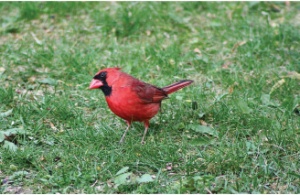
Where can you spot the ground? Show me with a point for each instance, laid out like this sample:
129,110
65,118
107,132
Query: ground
235,130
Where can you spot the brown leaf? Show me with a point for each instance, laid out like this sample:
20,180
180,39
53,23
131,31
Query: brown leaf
226,65
110,183
229,14
36,39
52,126
17,190
196,50
2,70
275,8
277,85
169,166
42,158
293,75
202,122
231,89
238,44
31,79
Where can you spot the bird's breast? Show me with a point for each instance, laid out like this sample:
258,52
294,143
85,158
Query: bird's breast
126,104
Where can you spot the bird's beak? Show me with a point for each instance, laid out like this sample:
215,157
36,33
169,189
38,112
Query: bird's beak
95,84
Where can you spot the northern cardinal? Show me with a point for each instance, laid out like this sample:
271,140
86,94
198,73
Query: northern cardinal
130,98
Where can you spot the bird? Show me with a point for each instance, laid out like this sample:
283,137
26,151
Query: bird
132,99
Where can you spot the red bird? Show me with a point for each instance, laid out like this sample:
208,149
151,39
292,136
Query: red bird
130,98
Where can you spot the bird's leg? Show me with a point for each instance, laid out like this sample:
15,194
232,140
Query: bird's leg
128,125
146,124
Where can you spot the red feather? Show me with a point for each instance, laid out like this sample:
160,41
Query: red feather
130,98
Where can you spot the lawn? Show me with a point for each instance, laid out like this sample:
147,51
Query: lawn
236,129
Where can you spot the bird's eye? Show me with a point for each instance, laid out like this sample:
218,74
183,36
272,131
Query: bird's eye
102,74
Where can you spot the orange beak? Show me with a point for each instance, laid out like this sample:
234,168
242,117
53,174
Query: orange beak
95,84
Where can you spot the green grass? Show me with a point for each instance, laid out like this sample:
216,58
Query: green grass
235,130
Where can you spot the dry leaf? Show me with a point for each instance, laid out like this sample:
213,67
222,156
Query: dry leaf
17,190
231,89
293,75
172,61
42,158
52,126
31,79
2,70
229,14
238,44
202,122
169,166
35,38
100,188
6,114
277,85
196,50
226,65
275,8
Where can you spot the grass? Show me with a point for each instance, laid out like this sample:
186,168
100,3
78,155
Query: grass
235,130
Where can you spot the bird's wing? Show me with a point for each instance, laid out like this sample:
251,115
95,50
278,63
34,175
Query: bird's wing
149,93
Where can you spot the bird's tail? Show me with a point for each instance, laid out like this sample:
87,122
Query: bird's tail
176,86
